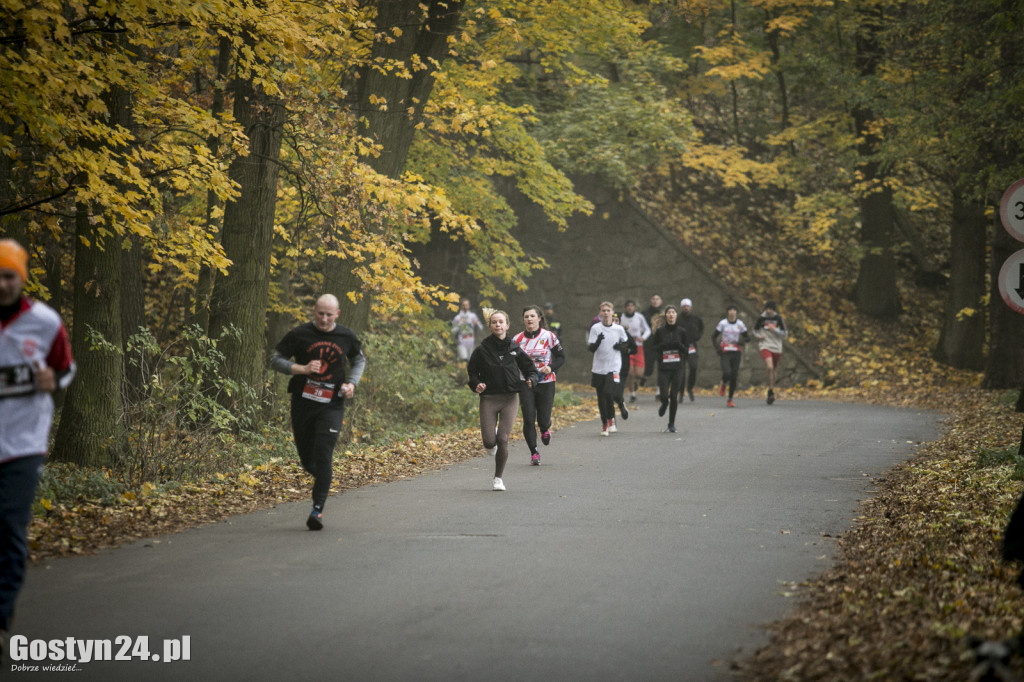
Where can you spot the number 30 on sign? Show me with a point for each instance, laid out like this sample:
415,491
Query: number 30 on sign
1011,210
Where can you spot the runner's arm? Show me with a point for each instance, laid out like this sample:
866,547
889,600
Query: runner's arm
557,357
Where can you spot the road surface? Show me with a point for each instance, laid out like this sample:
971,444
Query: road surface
641,556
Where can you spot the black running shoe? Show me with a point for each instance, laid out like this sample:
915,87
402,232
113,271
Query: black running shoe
623,411
671,428
315,520
771,396
663,408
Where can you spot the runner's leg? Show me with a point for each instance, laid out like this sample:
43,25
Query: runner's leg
507,406
528,405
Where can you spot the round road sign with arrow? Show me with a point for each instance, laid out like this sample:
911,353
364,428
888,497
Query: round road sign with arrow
1011,281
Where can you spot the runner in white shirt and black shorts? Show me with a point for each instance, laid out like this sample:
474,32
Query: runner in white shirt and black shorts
605,341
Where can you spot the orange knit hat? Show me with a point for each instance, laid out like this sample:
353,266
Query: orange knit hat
14,257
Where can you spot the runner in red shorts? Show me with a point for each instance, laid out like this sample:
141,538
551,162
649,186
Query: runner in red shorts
770,330
639,330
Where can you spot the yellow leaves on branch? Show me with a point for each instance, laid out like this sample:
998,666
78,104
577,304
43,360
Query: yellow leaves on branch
730,165
732,60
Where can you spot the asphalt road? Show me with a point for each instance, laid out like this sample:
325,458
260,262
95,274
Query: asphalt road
642,556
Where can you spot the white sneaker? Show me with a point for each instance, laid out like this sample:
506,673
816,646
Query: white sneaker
611,427
492,451
498,485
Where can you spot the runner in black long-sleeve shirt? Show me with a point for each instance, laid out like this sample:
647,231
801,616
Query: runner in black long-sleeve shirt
319,387
669,347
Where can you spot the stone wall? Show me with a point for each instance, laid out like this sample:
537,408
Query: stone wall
615,254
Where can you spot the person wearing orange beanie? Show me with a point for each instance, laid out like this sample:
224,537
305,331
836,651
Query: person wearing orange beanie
35,361
13,261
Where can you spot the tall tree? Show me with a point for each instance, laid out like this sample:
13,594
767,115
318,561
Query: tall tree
875,291
962,340
410,41
200,307
239,300
89,429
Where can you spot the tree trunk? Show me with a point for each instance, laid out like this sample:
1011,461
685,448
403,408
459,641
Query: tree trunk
91,424
962,341
133,307
425,28
89,431
200,309
1005,365
240,299
875,292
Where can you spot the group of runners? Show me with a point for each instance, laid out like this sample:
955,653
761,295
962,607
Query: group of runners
325,363
517,371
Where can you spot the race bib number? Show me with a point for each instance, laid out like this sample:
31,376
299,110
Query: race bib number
17,380
730,347
669,356
318,391
615,377
693,349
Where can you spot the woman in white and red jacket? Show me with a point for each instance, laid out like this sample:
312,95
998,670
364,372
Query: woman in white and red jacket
536,402
498,369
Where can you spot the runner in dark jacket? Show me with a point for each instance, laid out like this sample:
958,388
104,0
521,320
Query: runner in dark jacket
694,327
669,345
498,369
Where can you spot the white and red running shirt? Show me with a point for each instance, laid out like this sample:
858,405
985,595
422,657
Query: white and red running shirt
731,333
34,336
539,348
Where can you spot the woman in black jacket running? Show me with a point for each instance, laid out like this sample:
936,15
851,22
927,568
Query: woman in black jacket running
669,346
498,369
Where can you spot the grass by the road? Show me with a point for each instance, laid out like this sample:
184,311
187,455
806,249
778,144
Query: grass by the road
919,571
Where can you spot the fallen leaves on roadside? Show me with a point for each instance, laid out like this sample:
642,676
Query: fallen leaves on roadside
919,571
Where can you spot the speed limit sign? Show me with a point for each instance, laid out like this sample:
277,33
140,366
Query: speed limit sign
1011,210
1011,281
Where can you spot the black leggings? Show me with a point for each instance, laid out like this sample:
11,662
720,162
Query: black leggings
670,383
536,404
316,427
606,388
691,376
731,369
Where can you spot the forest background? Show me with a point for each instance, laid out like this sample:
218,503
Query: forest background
189,175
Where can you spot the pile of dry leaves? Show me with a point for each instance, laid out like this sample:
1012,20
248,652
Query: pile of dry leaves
921,569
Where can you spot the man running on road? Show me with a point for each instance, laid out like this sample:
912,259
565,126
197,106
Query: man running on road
319,388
